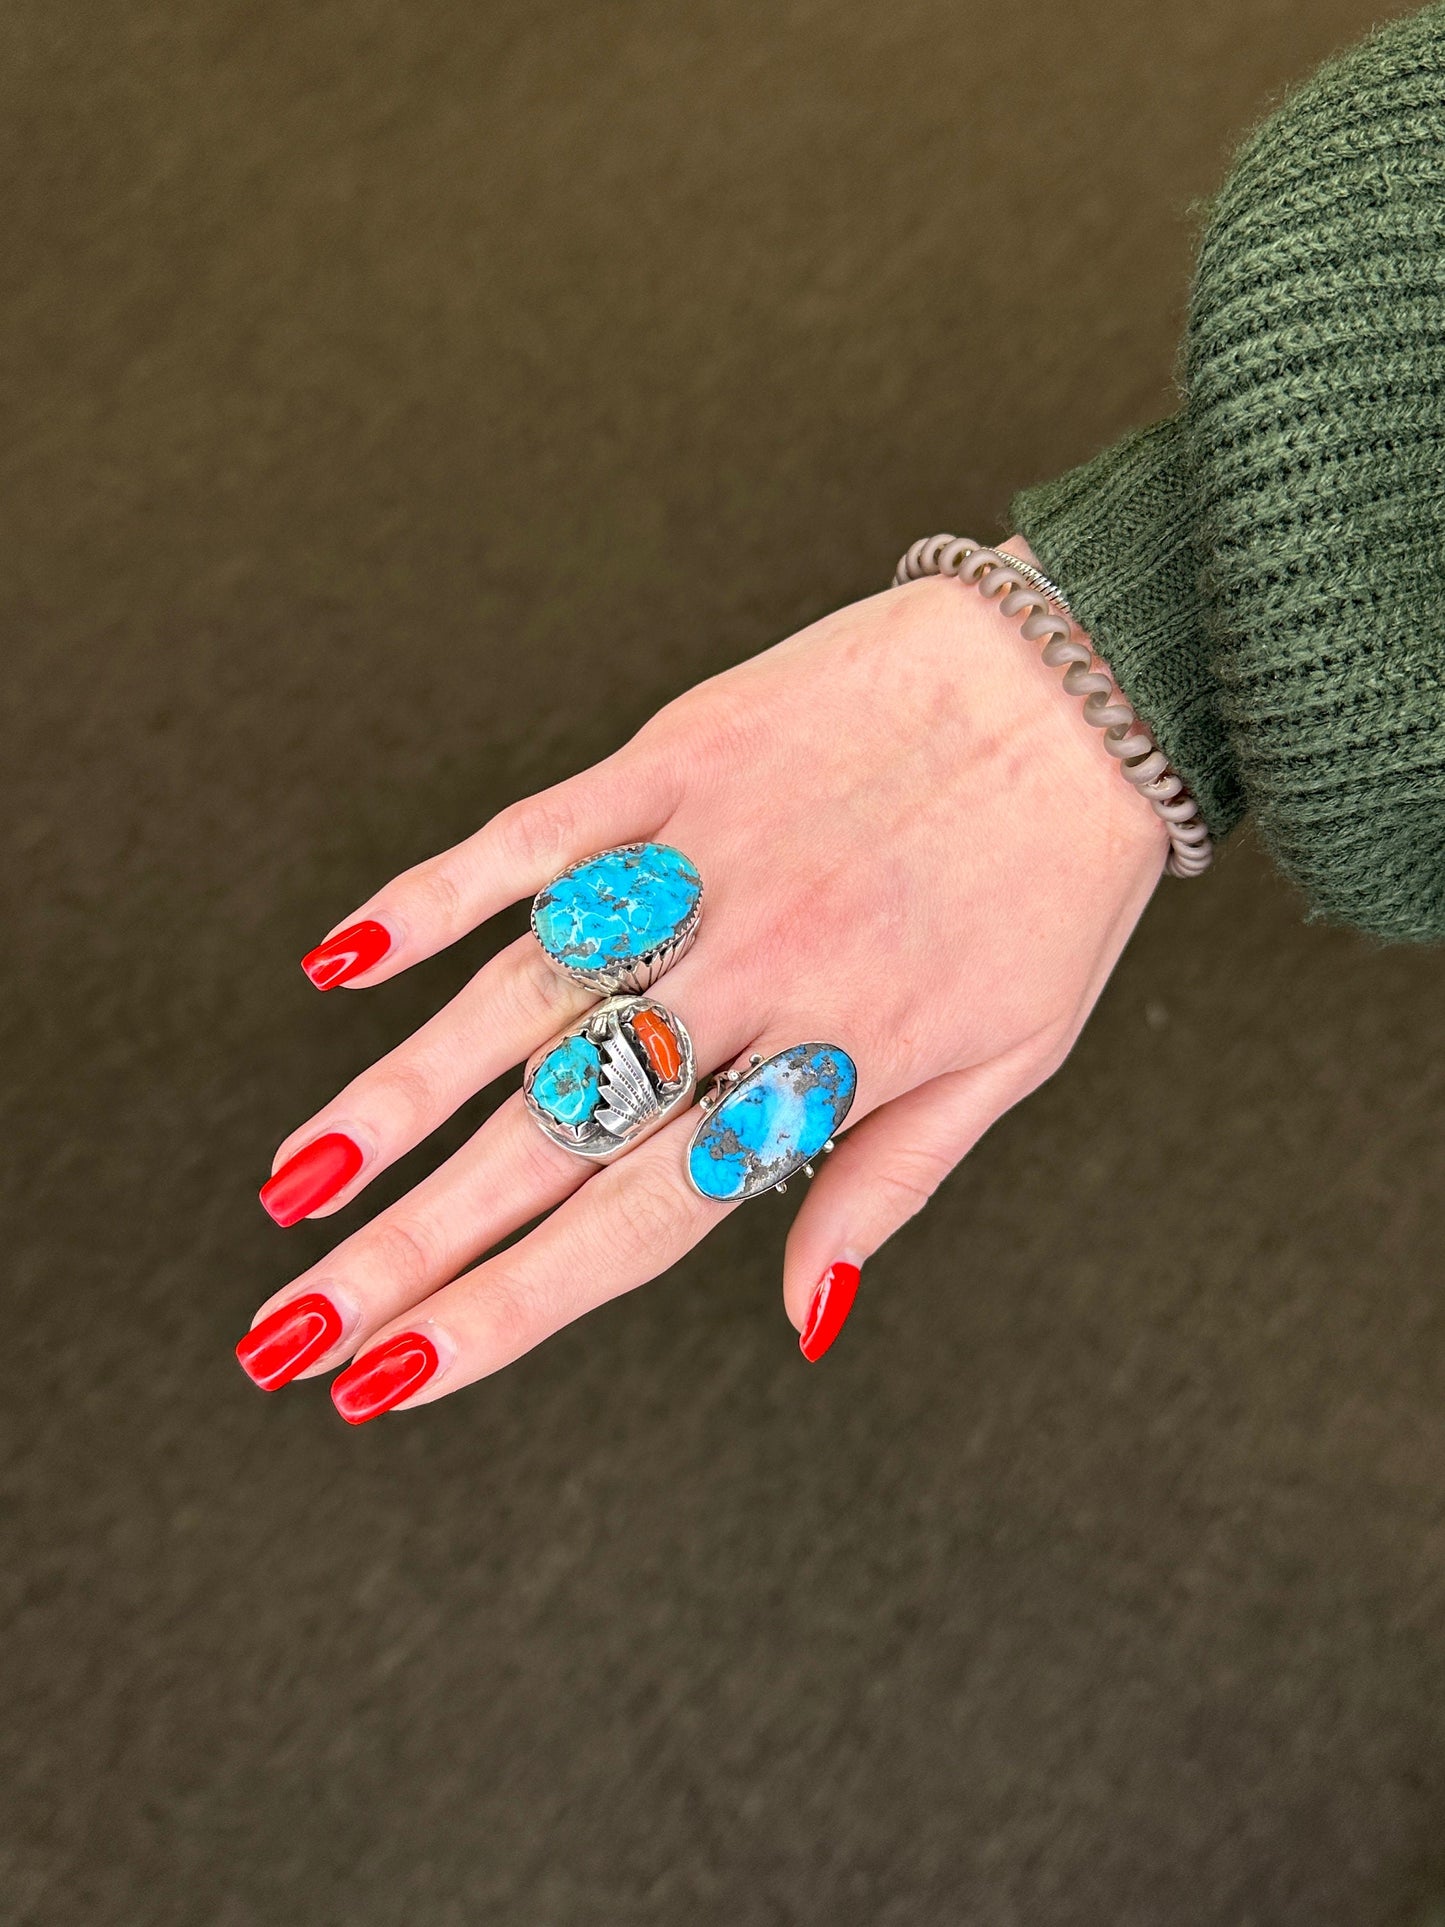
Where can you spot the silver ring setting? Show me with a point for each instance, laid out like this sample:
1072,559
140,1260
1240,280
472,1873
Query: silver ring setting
612,1079
762,1125
617,920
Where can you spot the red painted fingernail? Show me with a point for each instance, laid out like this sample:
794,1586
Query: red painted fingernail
316,1173
829,1306
383,1378
347,954
291,1338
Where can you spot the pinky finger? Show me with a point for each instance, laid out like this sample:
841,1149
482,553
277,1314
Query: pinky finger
883,1172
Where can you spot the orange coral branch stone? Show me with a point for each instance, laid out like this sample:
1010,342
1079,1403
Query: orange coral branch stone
657,1039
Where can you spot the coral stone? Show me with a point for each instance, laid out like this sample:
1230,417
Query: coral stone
659,1042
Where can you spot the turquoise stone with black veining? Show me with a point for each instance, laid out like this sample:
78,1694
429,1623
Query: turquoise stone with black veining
616,907
565,1083
773,1121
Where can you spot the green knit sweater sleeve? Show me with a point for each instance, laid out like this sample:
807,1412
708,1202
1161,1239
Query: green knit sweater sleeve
1264,571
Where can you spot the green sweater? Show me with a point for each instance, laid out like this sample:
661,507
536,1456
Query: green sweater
1264,571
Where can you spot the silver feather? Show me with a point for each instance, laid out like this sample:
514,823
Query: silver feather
627,1096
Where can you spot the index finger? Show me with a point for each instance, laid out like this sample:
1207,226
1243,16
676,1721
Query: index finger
623,799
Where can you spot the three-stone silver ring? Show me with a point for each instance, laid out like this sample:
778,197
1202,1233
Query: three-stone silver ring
608,1082
614,923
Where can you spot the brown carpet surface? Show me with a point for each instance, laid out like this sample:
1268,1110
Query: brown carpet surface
400,403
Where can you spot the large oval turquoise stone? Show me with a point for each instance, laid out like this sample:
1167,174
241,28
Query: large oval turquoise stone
617,907
565,1083
773,1121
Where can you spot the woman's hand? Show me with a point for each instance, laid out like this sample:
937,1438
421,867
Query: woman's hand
913,846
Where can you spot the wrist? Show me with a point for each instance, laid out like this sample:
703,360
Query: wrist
1026,595
1133,831
1118,534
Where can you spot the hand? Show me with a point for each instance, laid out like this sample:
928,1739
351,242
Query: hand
913,846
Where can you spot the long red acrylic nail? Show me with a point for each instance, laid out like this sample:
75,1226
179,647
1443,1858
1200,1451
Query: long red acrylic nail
316,1173
383,1378
829,1306
347,954
294,1336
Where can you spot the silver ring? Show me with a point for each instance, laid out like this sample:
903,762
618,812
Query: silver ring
617,920
610,1080
762,1125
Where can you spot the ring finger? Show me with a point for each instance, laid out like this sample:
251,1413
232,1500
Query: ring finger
507,1174
631,1222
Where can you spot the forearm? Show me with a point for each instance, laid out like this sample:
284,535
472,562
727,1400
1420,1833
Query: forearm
1264,572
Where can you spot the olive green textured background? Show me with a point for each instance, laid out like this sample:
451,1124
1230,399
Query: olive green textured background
399,404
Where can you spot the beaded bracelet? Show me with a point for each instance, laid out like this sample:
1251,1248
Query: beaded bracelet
1029,593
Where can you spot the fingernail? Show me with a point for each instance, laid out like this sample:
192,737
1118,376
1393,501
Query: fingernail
294,1336
383,1378
347,954
828,1308
316,1173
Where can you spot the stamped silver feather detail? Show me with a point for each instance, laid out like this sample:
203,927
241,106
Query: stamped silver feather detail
618,1073
627,1096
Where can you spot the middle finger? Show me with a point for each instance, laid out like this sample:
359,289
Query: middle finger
512,1004
507,1174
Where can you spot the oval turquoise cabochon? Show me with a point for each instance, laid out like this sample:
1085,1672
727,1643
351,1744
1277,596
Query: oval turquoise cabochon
773,1121
616,907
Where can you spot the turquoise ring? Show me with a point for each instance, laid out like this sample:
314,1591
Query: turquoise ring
609,1081
762,1125
617,920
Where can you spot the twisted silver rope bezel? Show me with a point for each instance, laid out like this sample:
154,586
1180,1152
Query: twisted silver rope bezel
1028,592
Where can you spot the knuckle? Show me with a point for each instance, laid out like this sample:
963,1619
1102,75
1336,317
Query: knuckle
536,994
537,1167
504,1307
650,1216
436,894
910,1180
544,1168
413,1094
705,730
724,732
537,835
403,1251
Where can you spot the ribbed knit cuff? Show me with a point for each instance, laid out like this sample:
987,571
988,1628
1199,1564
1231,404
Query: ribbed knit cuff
1117,536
